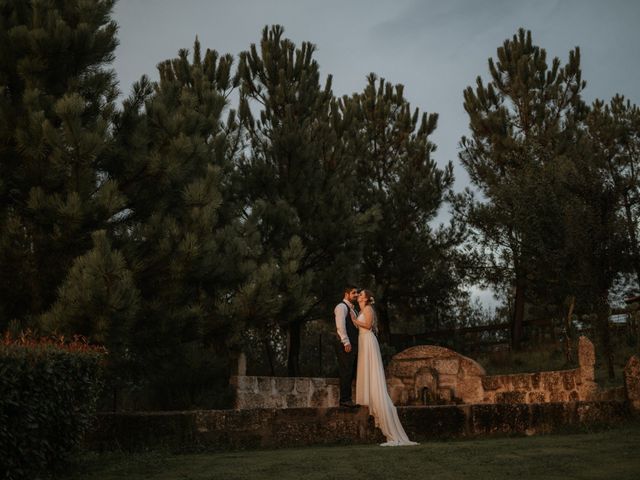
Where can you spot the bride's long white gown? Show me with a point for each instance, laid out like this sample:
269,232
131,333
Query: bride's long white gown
371,389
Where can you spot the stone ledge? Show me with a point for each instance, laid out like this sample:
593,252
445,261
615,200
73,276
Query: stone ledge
430,375
213,430
285,392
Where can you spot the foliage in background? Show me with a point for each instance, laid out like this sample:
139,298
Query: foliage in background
615,130
523,124
177,230
56,108
597,247
412,267
181,235
121,223
298,186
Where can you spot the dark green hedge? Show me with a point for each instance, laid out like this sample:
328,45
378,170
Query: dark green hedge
48,393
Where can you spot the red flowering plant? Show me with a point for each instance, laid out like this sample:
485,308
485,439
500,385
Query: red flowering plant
77,343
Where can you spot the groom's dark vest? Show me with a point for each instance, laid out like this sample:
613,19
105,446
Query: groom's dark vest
352,330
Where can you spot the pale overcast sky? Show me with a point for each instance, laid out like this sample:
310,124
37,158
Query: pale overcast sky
435,48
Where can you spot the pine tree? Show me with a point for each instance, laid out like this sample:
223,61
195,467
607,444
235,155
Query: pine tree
181,232
56,102
298,187
615,129
598,188
98,298
522,122
410,266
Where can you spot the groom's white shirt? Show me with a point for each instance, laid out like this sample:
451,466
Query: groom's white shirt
342,313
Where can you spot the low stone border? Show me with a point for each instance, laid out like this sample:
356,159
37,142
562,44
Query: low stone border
293,427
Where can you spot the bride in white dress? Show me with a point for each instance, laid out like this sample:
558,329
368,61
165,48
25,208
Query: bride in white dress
371,385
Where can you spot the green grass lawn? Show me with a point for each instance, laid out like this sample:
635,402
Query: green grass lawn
611,454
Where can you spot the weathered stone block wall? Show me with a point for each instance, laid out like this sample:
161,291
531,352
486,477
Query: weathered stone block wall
541,387
632,382
427,374
431,375
294,427
285,392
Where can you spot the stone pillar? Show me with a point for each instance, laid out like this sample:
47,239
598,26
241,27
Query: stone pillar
587,360
632,382
239,364
242,365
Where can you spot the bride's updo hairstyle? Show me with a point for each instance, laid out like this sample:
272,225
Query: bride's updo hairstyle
369,296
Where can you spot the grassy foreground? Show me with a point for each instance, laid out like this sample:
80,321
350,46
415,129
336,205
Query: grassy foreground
610,454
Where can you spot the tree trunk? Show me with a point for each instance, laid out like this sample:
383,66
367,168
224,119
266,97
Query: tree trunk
568,347
267,348
384,328
294,332
633,239
320,355
604,334
517,318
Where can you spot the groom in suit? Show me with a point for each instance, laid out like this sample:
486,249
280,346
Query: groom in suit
347,344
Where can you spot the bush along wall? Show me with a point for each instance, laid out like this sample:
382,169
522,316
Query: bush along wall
48,394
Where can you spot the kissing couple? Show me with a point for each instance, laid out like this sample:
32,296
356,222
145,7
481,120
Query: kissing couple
359,355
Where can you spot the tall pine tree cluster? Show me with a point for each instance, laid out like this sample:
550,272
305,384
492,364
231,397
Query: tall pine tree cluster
177,228
299,183
413,269
523,125
166,227
557,217
57,104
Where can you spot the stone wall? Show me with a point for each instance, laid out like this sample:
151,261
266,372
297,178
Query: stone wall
427,374
632,382
293,427
544,387
285,392
431,375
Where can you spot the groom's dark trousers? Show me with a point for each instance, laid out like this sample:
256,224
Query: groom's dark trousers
347,365
347,362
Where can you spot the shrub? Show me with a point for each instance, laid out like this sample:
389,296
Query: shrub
48,393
